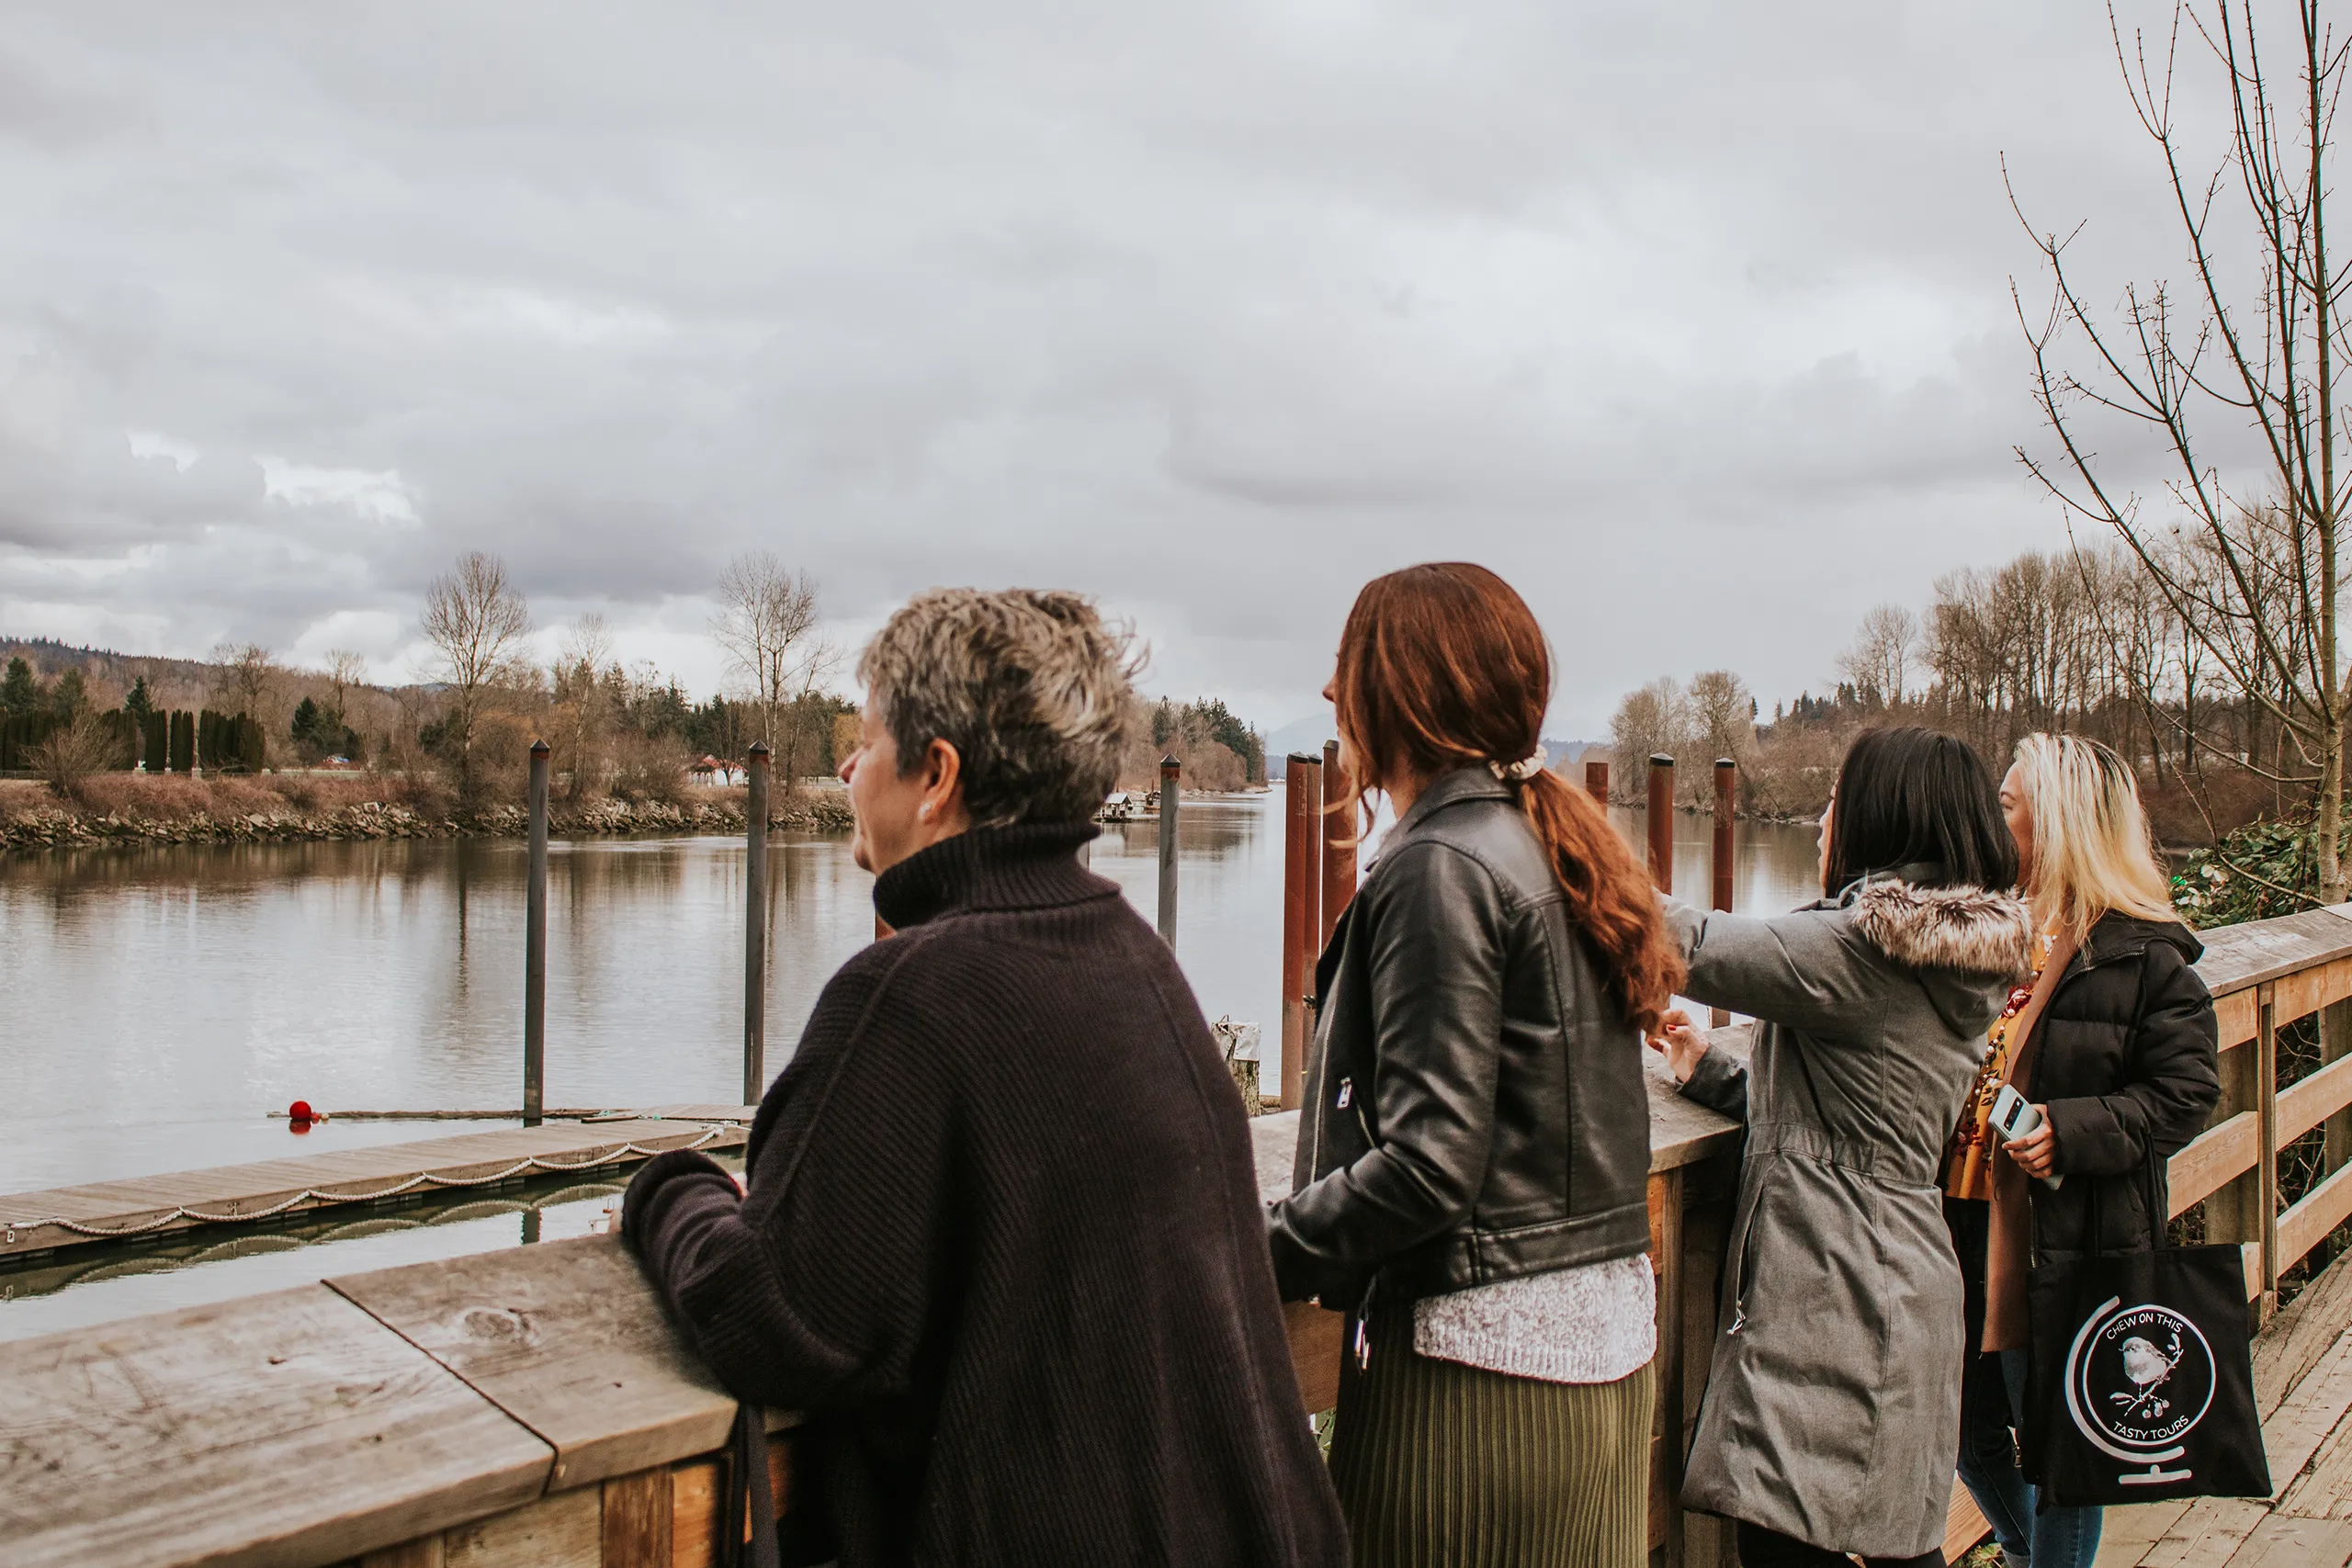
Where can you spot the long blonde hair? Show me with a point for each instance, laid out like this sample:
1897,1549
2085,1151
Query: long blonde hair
2091,852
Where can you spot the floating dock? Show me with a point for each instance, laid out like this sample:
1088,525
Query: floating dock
33,1222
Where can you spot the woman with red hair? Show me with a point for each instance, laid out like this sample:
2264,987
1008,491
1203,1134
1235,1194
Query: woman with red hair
1475,1145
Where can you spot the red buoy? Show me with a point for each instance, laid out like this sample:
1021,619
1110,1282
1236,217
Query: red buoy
301,1111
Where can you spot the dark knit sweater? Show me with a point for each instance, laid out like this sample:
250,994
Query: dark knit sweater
1002,1243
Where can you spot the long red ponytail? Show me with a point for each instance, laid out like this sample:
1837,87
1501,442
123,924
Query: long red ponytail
1443,666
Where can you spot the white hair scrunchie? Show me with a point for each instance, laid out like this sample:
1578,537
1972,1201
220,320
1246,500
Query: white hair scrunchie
1524,769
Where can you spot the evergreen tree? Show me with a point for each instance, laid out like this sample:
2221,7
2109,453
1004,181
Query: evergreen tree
66,696
20,693
138,704
306,726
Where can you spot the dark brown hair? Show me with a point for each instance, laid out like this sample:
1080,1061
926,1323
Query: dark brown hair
1908,797
1443,667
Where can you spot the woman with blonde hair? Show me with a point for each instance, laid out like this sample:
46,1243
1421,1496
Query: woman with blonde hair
2113,1042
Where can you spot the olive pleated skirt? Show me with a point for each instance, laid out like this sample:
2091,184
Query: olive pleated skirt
1441,1465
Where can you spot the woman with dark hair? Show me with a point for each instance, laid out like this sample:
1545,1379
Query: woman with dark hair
1827,1425
1474,1156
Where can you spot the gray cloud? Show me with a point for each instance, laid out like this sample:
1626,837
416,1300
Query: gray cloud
1693,323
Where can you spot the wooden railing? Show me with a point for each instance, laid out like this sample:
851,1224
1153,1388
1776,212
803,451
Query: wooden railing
533,1406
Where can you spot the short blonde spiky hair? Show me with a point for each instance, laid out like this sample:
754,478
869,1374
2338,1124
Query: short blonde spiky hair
2091,851
1031,686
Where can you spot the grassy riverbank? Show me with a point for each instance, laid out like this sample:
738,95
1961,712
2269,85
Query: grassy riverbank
133,809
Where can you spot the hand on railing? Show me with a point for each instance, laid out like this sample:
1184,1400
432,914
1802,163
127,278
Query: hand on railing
1682,1041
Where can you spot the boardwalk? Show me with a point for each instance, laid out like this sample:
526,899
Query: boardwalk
34,1223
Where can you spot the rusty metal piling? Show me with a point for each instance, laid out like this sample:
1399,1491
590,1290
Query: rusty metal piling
1302,857
1339,846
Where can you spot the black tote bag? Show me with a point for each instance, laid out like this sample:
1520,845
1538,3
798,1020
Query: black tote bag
2141,1380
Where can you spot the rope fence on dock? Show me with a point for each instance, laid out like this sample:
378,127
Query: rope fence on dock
312,1194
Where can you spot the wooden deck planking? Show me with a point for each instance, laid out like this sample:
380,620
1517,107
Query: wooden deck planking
246,1188
558,1337
228,1432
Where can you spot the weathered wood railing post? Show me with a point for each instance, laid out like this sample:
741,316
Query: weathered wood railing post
2235,1212
1171,796
1302,858
1661,821
1727,782
755,925
1338,843
1596,780
2334,1044
534,946
2265,1070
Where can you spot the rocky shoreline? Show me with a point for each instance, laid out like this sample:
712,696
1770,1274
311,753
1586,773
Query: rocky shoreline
49,828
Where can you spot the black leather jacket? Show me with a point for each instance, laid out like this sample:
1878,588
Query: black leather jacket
1475,1104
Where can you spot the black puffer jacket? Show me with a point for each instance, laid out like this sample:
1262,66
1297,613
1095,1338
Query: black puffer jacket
2125,1060
1475,1103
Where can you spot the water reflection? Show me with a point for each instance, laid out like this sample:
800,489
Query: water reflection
155,1004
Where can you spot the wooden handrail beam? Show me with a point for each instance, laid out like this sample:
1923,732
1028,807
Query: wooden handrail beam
2221,1152
2308,1102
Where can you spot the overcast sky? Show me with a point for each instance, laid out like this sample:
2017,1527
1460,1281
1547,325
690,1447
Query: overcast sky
1693,322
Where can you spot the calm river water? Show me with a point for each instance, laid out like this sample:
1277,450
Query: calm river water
155,1005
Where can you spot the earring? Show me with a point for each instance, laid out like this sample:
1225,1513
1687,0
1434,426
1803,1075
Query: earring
923,811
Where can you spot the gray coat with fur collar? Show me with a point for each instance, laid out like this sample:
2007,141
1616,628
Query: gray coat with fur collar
1832,1411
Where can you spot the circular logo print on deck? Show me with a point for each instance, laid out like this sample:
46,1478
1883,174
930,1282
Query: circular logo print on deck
2140,1376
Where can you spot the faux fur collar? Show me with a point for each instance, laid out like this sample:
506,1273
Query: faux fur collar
1966,929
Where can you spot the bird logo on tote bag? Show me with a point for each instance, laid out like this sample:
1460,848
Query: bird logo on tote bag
2138,1379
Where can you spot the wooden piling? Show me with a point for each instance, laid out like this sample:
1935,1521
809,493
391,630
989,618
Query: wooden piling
1661,824
534,947
755,925
1596,780
1302,857
1172,796
1727,782
1338,843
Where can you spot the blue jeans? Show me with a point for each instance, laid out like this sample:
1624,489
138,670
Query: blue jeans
1992,1385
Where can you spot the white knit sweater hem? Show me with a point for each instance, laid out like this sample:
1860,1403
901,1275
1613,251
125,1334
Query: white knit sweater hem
1593,1324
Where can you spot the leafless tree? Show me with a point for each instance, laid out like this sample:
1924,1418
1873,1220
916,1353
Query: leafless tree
582,688
1879,661
345,670
1654,720
83,745
2257,581
1720,711
767,622
475,621
244,680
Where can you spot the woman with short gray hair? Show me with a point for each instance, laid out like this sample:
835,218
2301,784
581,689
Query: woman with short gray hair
1000,1241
